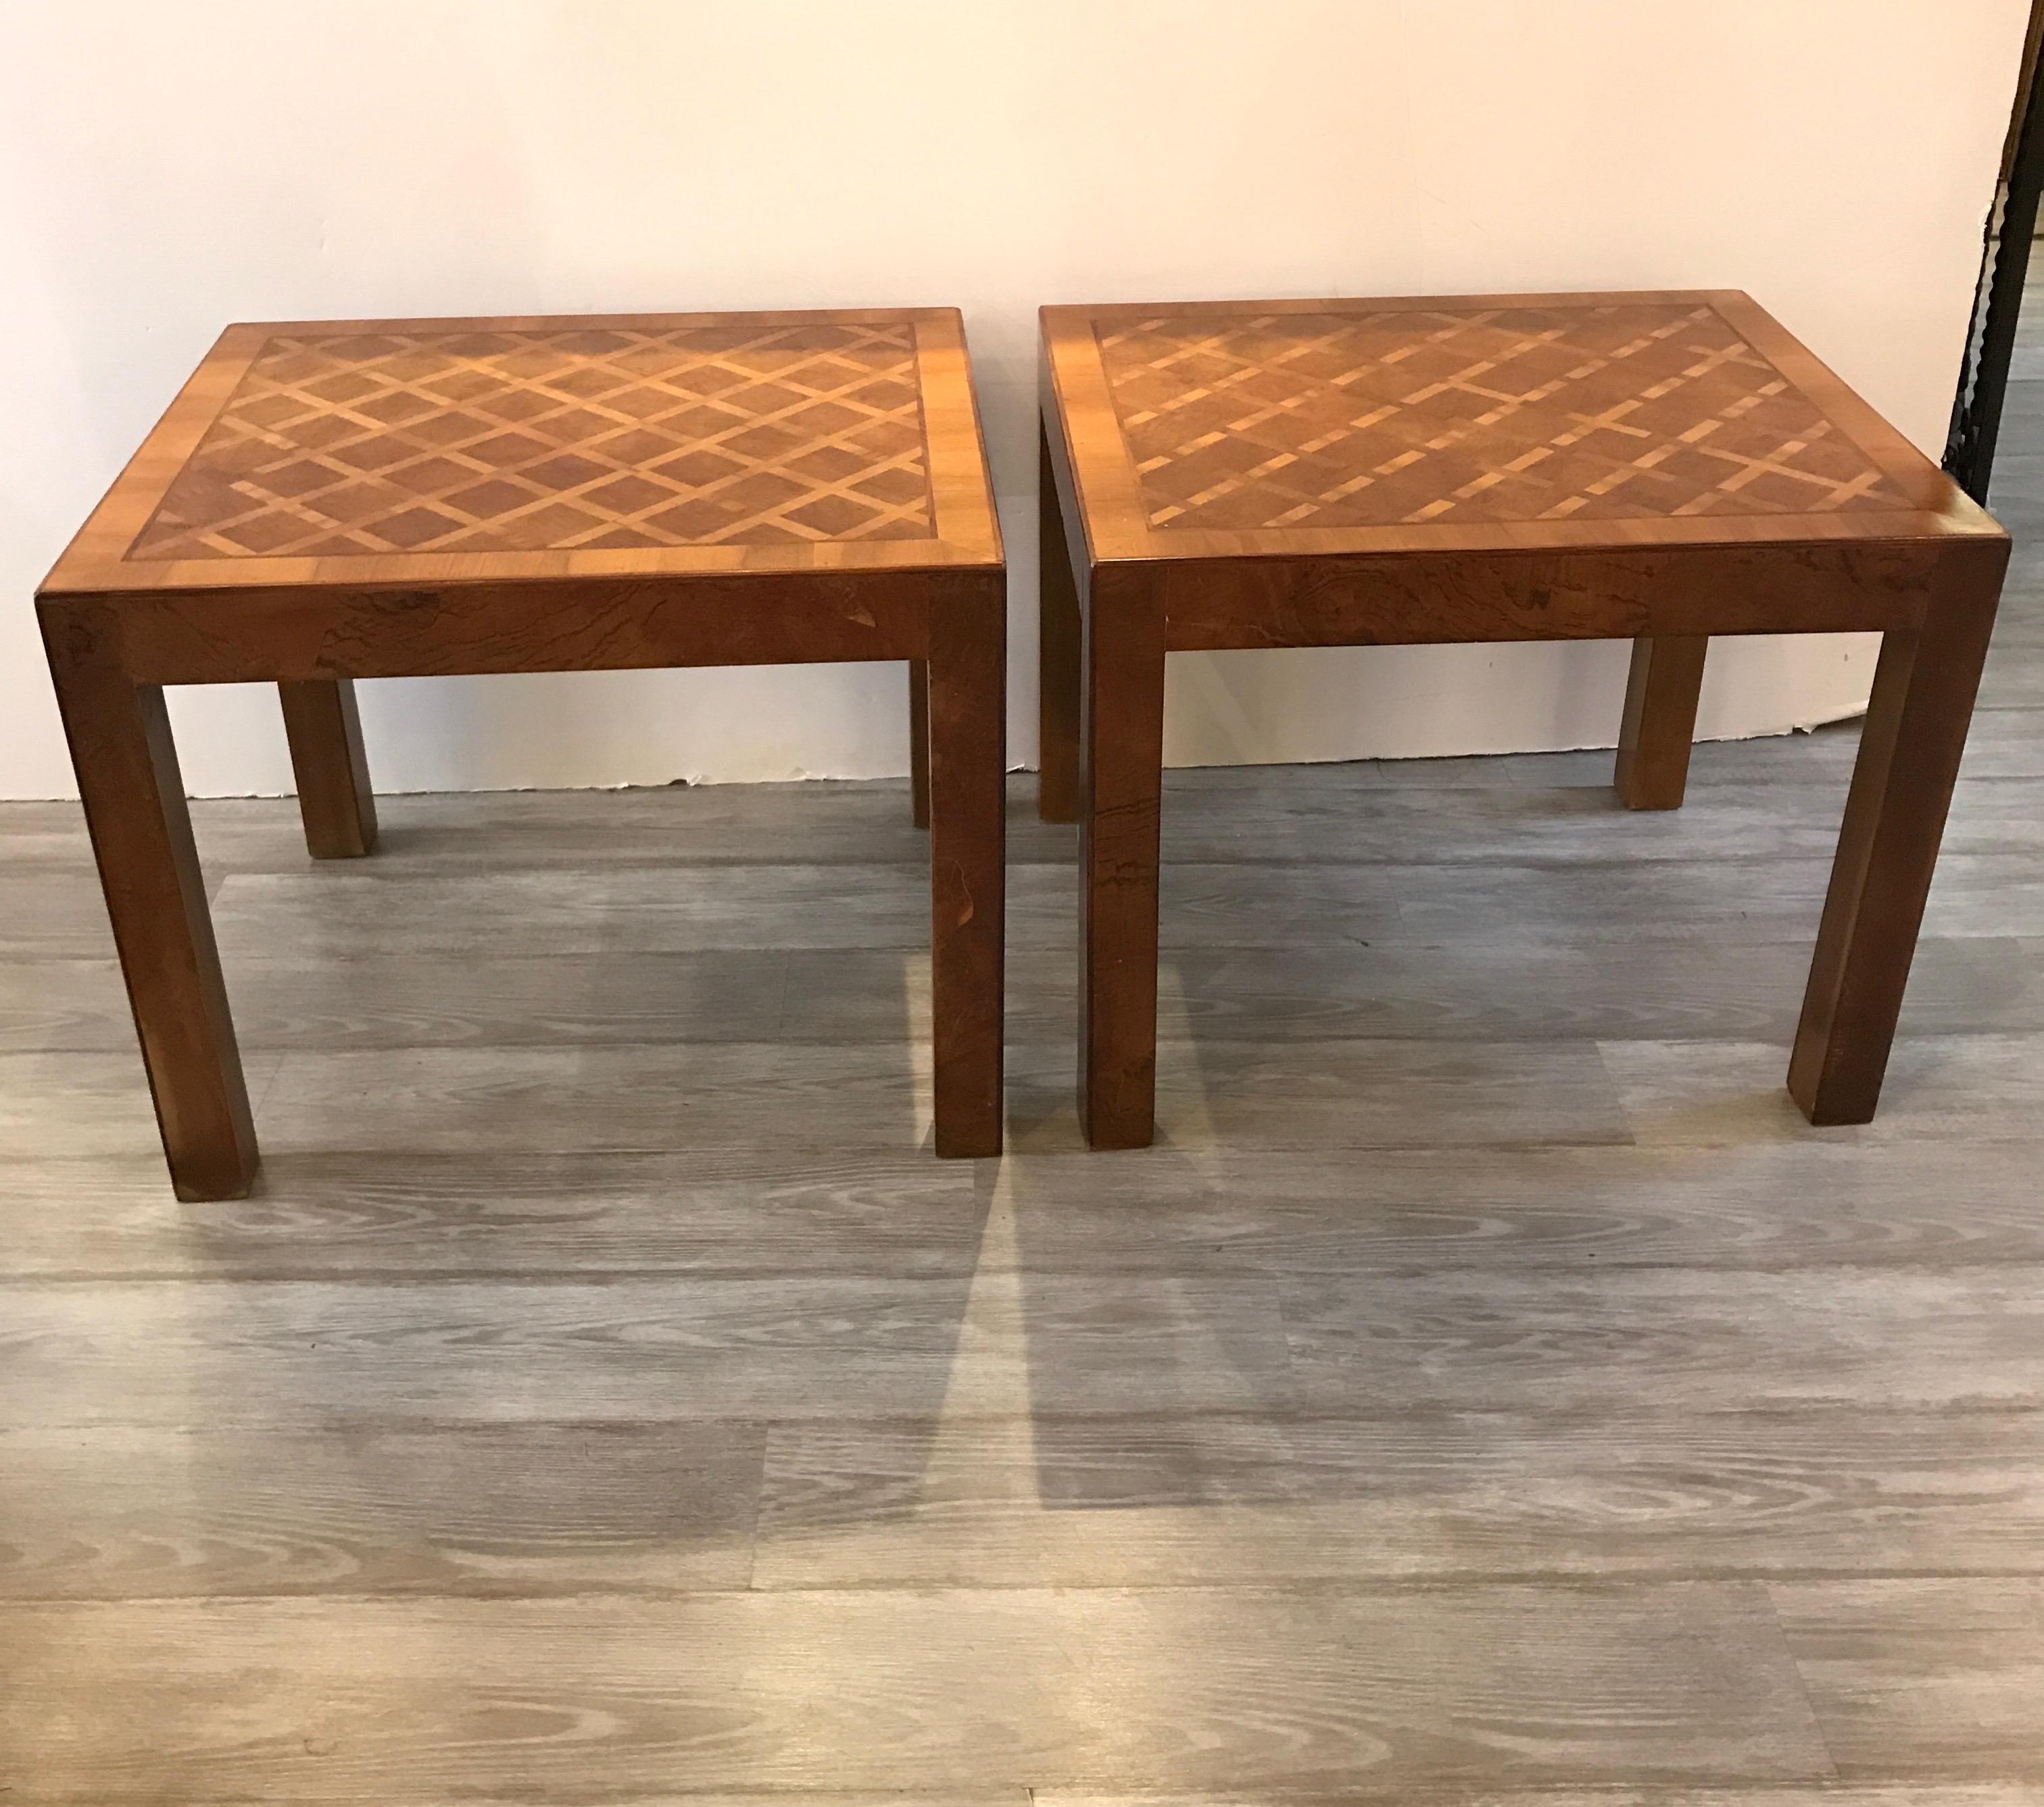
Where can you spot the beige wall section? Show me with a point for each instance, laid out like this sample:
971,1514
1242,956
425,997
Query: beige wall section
165,169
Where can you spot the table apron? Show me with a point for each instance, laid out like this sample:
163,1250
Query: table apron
1392,601
254,636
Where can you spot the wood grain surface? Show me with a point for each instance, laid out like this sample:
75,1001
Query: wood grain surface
1472,423
1476,410
413,437
329,501
1660,721
1661,468
1489,1393
1332,1688
423,452
324,729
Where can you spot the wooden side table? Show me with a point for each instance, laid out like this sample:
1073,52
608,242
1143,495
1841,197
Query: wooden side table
397,498
1656,466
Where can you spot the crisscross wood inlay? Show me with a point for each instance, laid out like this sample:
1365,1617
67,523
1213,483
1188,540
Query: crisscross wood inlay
515,440
1501,413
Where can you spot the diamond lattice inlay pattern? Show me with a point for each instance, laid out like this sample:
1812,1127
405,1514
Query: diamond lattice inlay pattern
517,440
1498,414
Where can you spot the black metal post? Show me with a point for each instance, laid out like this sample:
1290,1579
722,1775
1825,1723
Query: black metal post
2004,268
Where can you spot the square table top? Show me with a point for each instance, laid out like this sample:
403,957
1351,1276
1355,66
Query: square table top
1485,423
355,452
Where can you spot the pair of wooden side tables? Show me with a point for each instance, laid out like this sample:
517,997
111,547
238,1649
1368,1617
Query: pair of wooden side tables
376,499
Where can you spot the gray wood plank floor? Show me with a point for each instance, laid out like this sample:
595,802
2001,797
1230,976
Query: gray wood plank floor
1489,1391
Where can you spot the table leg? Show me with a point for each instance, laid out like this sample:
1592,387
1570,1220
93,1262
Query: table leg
919,740
1058,789
1909,753
1121,779
334,797
135,808
968,692
1660,720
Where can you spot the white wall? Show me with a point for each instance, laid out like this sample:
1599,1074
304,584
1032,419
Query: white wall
165,168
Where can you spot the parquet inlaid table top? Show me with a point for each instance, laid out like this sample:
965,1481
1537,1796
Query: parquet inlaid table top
440,440
1657,467
607,445
1379,419
335,500
1528,420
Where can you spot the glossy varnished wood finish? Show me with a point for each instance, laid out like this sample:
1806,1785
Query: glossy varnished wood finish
968,738
127,766
1910,749
1484,1392
353,499
1483,411
1386,1442
1061,639
1660,721
919,742
1121,773
324,729
404,437
1660,467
